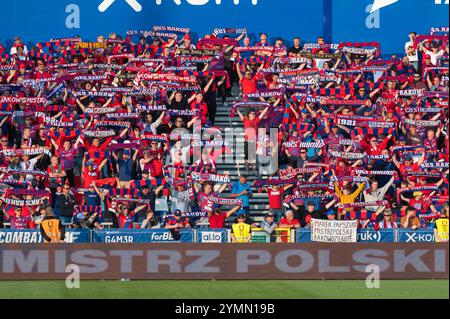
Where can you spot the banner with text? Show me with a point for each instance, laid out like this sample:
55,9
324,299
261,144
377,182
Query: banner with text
334,231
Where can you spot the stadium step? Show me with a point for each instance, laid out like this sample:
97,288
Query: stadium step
259,202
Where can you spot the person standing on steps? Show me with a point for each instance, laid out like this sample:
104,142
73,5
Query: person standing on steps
251,123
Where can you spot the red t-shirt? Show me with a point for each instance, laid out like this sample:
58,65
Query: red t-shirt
89,177
252,125
418,204
275,198
156,167
249,86
123,220
217,221
284,221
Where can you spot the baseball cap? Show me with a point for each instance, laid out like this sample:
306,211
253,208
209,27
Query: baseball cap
330,212
126,152
90,163
177,212
269,214
427,56
187,37
80,216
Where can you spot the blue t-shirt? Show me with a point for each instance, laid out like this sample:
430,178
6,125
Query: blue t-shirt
125,169
237,188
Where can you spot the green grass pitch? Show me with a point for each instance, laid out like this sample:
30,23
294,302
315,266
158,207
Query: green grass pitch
230,289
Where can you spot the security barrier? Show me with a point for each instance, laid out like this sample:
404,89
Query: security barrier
260,236
32,236
283,235
280,235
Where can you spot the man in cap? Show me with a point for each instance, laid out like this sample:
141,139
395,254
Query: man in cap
269,225
52,229
18,221
91,172
431,57
180,196
241,232
331,215
18,43
408,166
175,223
217,218
419,202
125,166
316,213
187,43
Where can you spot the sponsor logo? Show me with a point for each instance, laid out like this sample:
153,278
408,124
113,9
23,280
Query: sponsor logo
166,236
378,4
118,239
418,237
20,237
107,3
369,236
211,237
33,237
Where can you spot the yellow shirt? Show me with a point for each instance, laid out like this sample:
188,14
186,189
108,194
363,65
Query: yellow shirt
241,232
442,228
347,199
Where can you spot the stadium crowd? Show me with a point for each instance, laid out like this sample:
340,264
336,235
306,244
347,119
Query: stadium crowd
90,131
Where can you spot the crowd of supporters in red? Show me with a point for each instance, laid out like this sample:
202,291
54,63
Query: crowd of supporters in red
90,130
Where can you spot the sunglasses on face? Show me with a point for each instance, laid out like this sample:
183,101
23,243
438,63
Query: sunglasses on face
66,188
4,141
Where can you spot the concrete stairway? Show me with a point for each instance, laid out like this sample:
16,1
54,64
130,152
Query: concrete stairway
259,201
